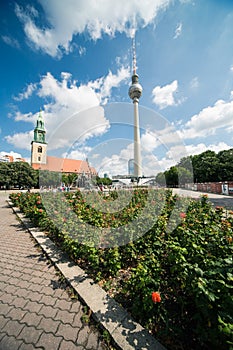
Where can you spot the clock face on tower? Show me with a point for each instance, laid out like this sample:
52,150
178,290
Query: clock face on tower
40,137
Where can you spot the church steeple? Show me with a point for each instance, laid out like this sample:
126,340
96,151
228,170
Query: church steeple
39,145
39,131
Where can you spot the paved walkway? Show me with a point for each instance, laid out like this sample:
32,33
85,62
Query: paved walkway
216,199
36,311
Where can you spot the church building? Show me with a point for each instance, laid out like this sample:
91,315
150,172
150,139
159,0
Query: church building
41,161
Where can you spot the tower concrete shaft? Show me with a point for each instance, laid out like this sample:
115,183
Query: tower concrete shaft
137,142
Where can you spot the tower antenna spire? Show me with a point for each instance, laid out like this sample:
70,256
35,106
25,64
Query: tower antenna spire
134,55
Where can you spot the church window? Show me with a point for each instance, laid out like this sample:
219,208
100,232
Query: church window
39,159
39,150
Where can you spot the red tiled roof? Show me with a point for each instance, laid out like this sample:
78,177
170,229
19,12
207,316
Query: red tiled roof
65,165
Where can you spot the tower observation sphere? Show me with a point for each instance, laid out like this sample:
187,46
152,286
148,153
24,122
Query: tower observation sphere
135,90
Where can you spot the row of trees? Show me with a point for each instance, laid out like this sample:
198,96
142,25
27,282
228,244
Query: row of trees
18,175
22,175
205,167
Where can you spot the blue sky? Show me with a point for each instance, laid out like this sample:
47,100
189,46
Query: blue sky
73,59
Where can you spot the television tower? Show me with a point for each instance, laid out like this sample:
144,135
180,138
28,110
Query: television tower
135,92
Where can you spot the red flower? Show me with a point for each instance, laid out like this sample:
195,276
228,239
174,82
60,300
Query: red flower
182,215
156,297
218,208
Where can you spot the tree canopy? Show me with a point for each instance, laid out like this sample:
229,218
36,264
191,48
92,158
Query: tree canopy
207,166
17,175
22,175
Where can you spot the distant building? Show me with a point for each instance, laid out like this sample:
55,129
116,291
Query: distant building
40,160
10,159
19,160
131,167
7,159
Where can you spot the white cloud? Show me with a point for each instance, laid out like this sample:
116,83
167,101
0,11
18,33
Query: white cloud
26,117
201,147
10,41
208,120
164,164
164,96
95,156
150,164
20,140
80,153
231,68
116,163
184,151
72,112
104,85
66,19
27,93
82,50
178,30
194,83
151,139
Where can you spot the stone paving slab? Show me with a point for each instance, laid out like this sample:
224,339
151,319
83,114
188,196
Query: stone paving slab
36,312
125,332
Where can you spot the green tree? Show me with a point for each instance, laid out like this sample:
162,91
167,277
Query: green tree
184,175
69,179
18,174
171,176
160,179
22,175
106,181
5,175
225,159
206,167
186,162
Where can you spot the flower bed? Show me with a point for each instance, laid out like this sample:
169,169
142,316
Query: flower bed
177,282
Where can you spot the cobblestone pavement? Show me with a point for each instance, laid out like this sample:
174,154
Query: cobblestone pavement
36,311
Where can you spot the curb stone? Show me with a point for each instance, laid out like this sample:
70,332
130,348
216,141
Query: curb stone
125,332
